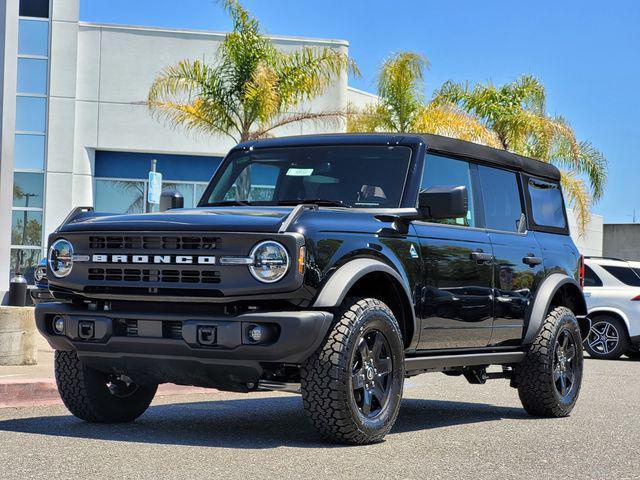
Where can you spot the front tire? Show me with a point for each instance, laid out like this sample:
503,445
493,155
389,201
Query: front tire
352,385
550,376
96,396
607,338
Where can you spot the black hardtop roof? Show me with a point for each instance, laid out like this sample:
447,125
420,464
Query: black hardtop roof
435,144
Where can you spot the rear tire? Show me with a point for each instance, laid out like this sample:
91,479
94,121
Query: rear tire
352,385
550,376
96,396
607,339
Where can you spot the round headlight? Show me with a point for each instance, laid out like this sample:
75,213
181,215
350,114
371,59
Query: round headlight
61,258
270,261
40,274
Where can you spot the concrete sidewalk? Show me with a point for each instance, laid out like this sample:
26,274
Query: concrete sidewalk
32,385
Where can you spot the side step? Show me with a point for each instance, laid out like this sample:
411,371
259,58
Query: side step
439,363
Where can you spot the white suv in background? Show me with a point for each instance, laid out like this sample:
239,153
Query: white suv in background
612,291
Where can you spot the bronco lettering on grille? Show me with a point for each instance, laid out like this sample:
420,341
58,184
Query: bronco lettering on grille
157,259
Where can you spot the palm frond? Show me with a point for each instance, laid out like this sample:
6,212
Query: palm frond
299,117
578,197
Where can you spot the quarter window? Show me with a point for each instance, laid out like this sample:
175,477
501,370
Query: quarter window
546,204
590,278
501,199
624,274
443,171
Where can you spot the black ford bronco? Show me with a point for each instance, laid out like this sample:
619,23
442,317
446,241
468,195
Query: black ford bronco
334,266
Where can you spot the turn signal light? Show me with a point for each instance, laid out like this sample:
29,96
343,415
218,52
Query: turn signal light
581,271
302,252
636,298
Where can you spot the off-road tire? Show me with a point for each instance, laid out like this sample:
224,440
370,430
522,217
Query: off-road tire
535,375
86,395
326,377
621,347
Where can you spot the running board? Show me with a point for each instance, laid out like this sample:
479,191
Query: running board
444,362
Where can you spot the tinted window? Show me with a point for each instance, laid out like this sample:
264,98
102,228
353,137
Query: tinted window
34,8
625,274
501,198
443,171
28,189
33,38
32,76
31,114
546,204
29,152
590,278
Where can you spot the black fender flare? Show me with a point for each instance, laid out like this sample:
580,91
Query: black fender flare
542,302
335,289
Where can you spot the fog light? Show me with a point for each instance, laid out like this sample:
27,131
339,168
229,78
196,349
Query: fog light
256,333
58,325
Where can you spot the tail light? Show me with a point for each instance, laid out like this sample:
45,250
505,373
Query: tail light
636,298
581,271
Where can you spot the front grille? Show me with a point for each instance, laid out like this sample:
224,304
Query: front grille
154,242
154,275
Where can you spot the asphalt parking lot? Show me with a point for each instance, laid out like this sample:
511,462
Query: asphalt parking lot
446,429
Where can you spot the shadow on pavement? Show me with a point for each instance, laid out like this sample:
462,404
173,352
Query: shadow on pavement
251,423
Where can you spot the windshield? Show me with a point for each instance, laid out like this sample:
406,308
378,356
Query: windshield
348,176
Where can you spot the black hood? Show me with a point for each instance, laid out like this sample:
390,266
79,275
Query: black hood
230,219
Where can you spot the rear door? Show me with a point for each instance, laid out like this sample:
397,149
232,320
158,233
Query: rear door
518,268
456,297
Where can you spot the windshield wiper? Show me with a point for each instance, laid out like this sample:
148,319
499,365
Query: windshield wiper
316,201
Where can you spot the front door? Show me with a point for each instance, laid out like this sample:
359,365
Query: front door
456,292
518,268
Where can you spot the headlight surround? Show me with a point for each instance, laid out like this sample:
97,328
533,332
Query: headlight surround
61,258
270,261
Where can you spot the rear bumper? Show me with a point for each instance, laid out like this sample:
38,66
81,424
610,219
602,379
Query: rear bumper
155,353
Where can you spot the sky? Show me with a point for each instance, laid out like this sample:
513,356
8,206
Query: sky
586,53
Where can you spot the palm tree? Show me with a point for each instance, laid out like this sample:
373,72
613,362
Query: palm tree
402,107
251,88
516,112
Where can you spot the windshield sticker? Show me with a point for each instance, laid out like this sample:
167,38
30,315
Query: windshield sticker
299,172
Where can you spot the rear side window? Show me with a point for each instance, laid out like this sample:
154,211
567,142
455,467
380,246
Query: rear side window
441,171
590,278
547,206
501,199
625,274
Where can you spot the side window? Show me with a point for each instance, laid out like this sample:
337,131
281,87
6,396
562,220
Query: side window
501,199
546,204
624,274
439,171
590,278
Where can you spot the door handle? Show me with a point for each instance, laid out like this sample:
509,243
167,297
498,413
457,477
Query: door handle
531,260
480,257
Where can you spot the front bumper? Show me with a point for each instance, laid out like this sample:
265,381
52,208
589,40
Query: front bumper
168,347
39,295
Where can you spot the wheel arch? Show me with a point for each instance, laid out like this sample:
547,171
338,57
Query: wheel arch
557,290
367,277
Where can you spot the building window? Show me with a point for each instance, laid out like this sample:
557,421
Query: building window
31,113
24,260
120,196
28,190
34,8
33,38
29,152
32,76
26,228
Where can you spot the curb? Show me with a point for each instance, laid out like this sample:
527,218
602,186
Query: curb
43,391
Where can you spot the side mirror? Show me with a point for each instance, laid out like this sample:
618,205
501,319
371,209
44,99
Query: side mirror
170,199
444,201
